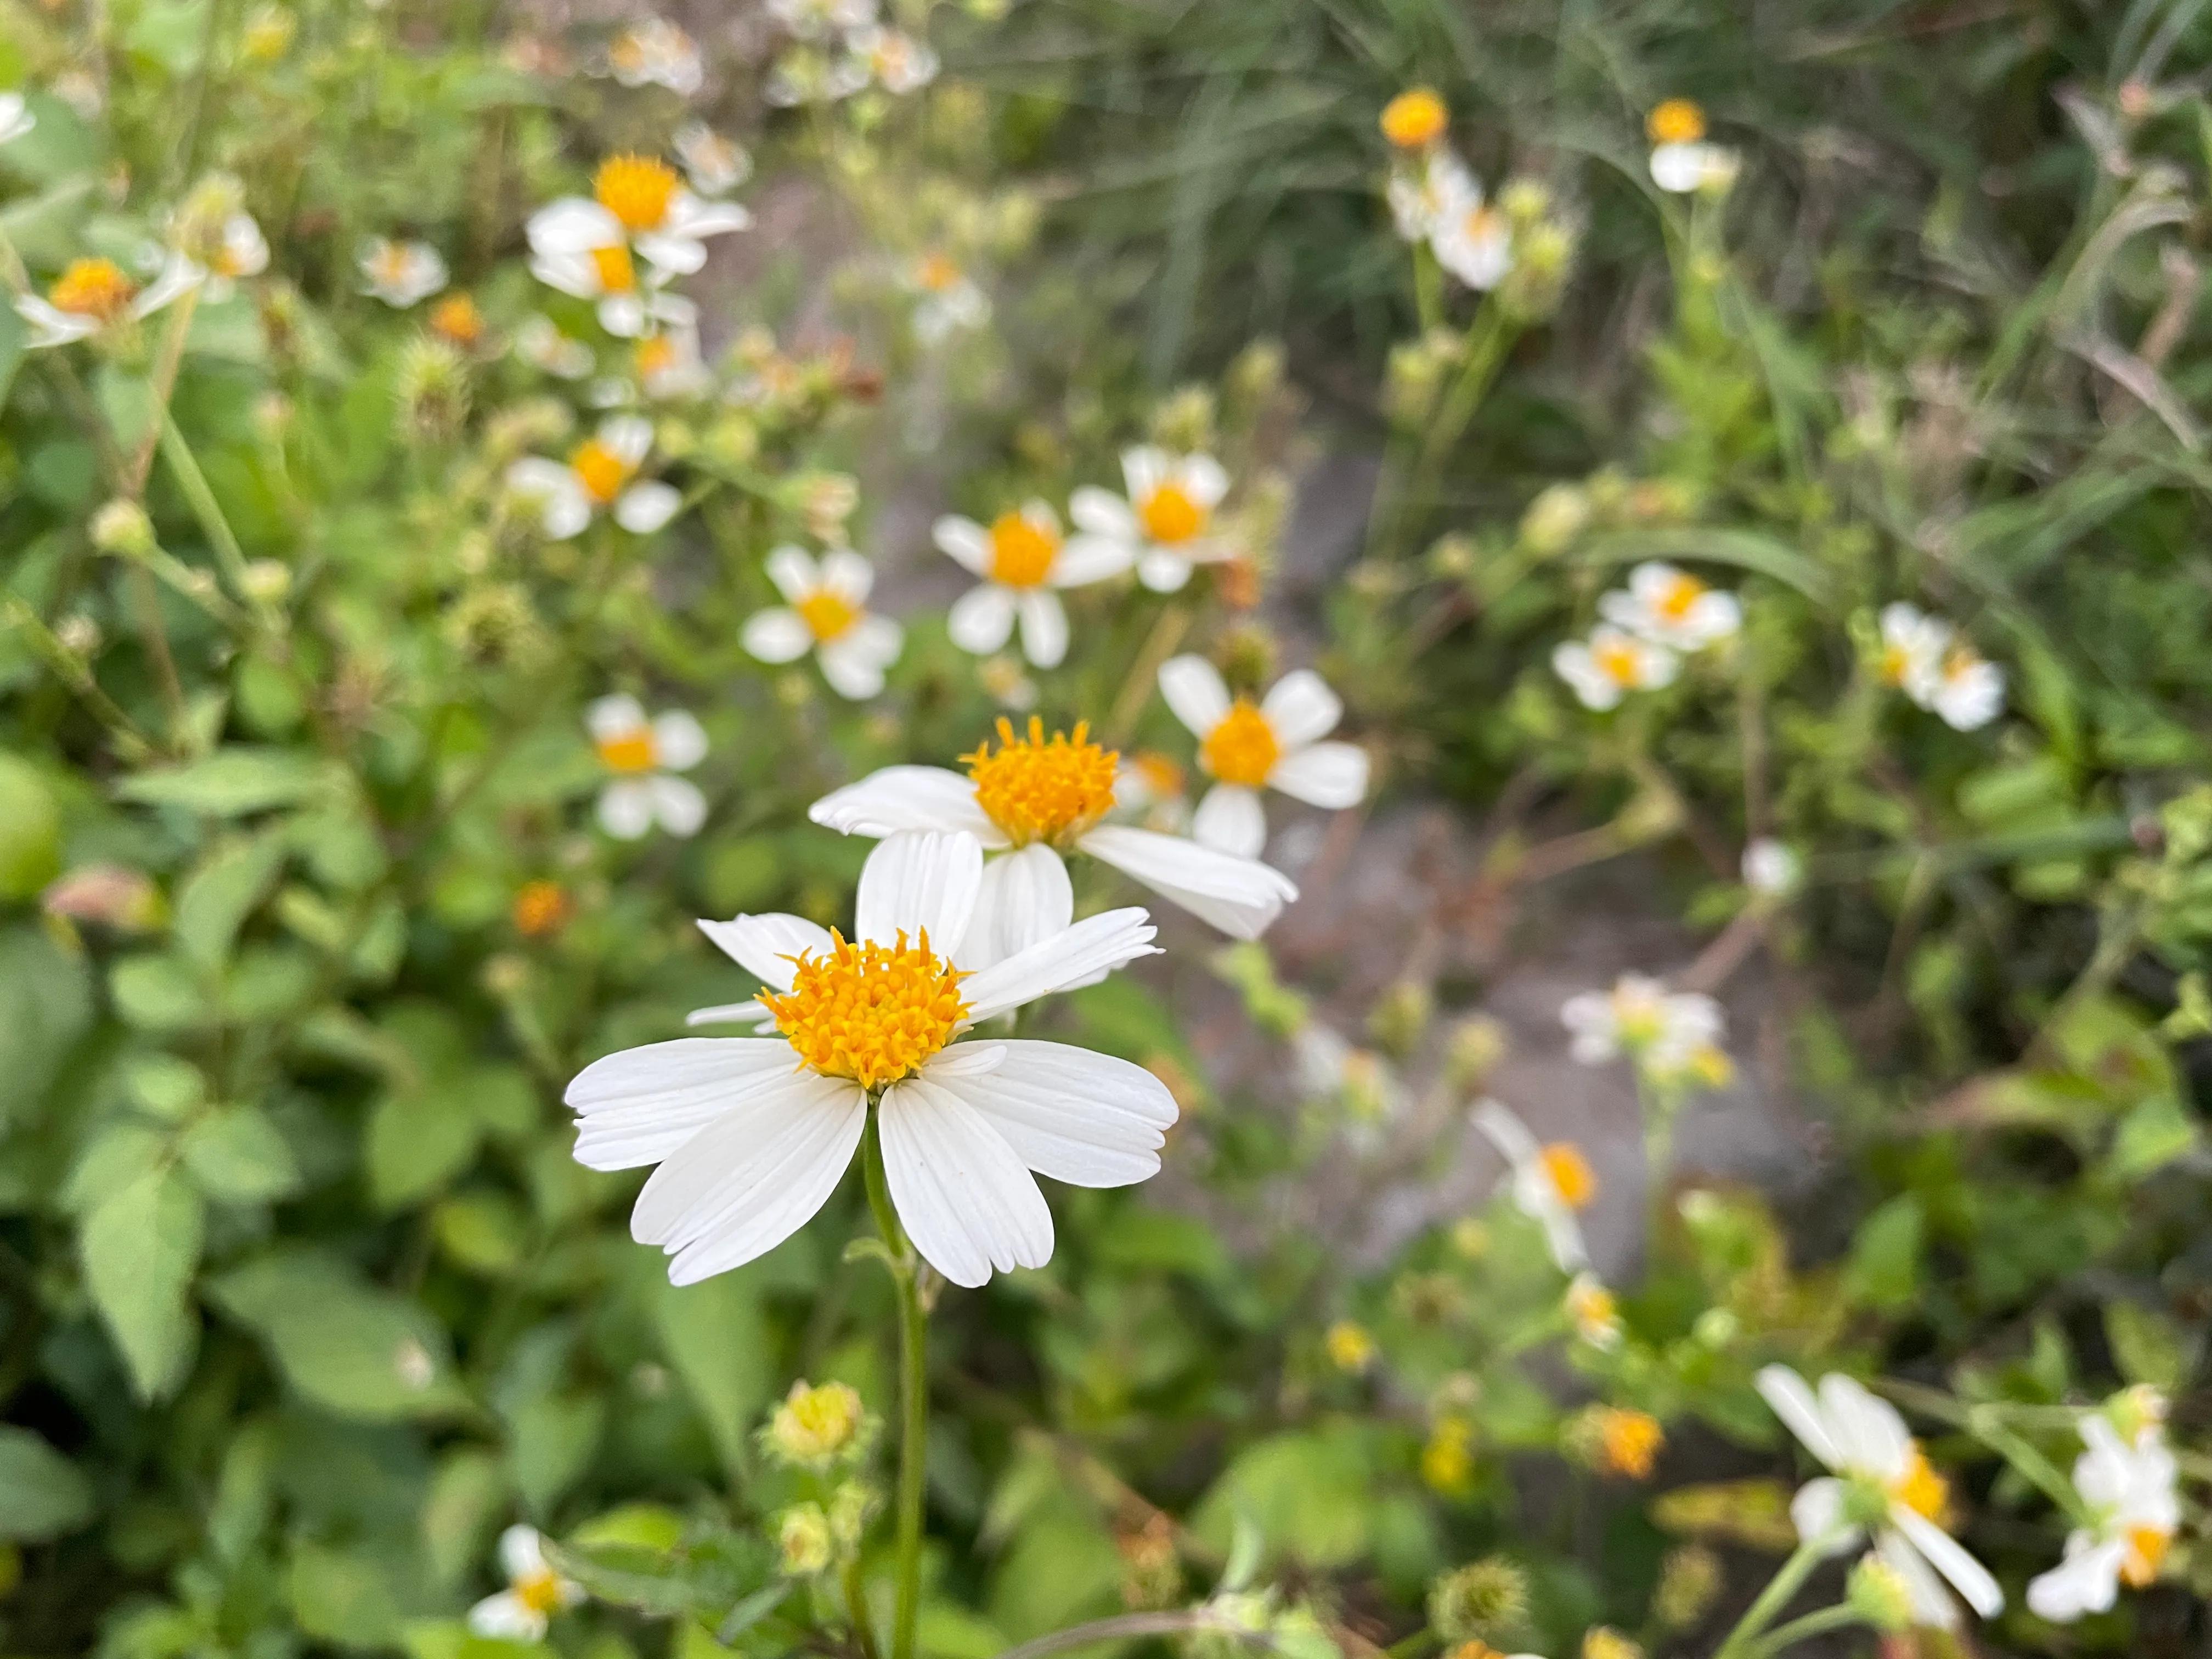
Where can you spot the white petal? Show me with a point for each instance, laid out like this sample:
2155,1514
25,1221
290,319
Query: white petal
626,437
1088,1119
1231,820
1241,897
1504,1130
969,1204
763,945
1194,690
792,573
906,798
1204,479
679,742
507,1616
674,255
1817,1511
616,716
1143,468
1950,1557
982,618
1301,708
573,224
1872,1435
778,635
1096,944
748,1012
678,803
848,575
920,881
1044,627
854,672
2086,1581
1164,572
521,1551
1790,1397
627,809
1933,1607
638,1106
1026,897
1086,559
1330,774
644,508
964,540
1103,515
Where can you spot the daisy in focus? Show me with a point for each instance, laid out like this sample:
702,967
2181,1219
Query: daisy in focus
2131,1490
1924,657
93,296
1166,521
946,299
601,474
524,1611
1881,1483
1022,558
752,1134
1660,1030
401,273
1672,608
642,757
826,611
1611,664
1682,160
1275,743
1551,1183
1031,803
654,53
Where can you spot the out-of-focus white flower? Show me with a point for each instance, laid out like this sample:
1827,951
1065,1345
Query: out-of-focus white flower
753,1134
1423,188
668,365
1007,683
1359,1080
1154,788
1658,1029
654,51
2131,1490
582,246
524,1611
1681,160
1673,608
1593,1310
1472,238
1166,522
81,90
1275,743
401,273
1879,1470
1611,663
93,294
714,165
643,757
540,343
241,250
825,611
894,60
600,473
1023,559
1924,656
1549,1183
946,299
1771,868
812,20
15,117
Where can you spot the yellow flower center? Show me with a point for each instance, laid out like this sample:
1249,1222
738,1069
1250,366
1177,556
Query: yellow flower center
1038,790
599,469
1959,664
1631,1441
1619,660
828,614
1570,1174
1169,515
1677,121
1592,1308
1448,1461
1350,1348
2147,1547
457,319
629,752
627,53
92,287
1920,1489
617,273
1896,664
869,1012
935,273
1414,118
1242,749
1682,594
540,907
655,356
635,189
1161,773
815,1423
539,1591
1480,222
1022,551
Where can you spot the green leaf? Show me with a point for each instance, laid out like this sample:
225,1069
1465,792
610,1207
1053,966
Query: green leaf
417,1140
467,1495
2149,1348
42,1494
231,782
342,1598
216,899
45,1009
2151,1136
550,1440
717,1342
1885,1261
350,1347
139,1247
160,991
237,1155
1309,1495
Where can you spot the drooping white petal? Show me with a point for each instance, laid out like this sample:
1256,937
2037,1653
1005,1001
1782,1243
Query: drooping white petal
1231,820
777,634
1195,692
1791,1398
679,742
792,571
1240,896
1933,1607
965,541
764,946
507,1616
982,618
920,881
1044,627
1329,774
2088,1580
1088,1119
1094,946
521,1551
1817,1511
1950,1557
969,1204
638,1106
906,797
1301,708
1026,897
627,808
1872,1435
678,803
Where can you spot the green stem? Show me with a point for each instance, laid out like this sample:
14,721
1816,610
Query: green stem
856,1609
178,452
1776,1596
1798,1630
914,1393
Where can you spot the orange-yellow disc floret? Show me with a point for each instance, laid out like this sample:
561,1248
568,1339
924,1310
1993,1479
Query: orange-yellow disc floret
1414,118
1022,550
1039,789
601,471
1242,749
1172,516
1677,121
636,189
92,287
867,1011
1570,1174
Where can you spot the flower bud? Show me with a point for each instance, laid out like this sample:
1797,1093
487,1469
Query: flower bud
1473,1050
814,1427
266,581
1559,514
122,527
1350,1346
1184,423
1689,1584
1604,1642
1877,1592
1484,1600
431,390
1448,1459
1399,1017
803,1539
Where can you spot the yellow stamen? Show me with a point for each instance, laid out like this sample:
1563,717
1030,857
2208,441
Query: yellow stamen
934,273
1592,1307
1169,515
2147,1547
1570,1174
1630,1441
629,752
540,908
1022,551
455,318
539,1591
1920,1489
1619,660
93,287
1036,789
826,614
617,273
869,1012
1414,118
1682,593
601,471
1896,664
636,189
1677,121
1242,749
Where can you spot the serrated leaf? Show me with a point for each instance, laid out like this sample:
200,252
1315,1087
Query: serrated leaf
139,1247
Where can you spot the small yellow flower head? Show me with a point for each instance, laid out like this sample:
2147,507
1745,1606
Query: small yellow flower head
1689,1584
1617,1441
1448,1459
1415,119
1350,1346
268,34
804,1538
1877,1592
1677,121
1470,1237
540,909
1473,1050
815,1426
850,1506
1603,1642
1485,1600
1400,1015
1524,202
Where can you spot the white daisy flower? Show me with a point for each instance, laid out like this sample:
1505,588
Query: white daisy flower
827,613
714,165
1549,1183
1673,608
643,757
1274,745
540,343
401,273
1924,656
655,52
1611,663
93,294
1473,240
1425,189
1681,160
750,1145
15,117
946,299
600,472
1912,644
1881,1482
583,246
2131,1490
1031,804
1593,1310
811,20
668,364
1771,868
1166,521
1022,559
1641,1018
242,251
1153,789
524,1611
897,62
1360,1082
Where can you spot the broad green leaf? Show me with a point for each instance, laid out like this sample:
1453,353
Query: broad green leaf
466,1496
161,992
231,782
42,1494
716,1340
236,1155
342,1598
45,1008
139,1247
2151,1136
215,900
1885,1261
348,1346
417,1140
550,1442
1309,1494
